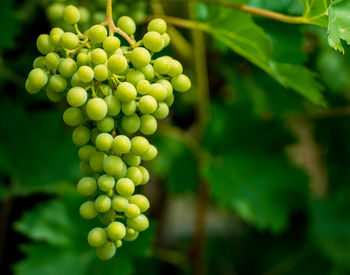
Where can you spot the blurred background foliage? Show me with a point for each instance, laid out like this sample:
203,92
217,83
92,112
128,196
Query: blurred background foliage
252,175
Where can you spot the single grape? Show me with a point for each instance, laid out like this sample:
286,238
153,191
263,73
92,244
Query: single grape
30,89
118,243
88,211
76,82
39,62
169,100
117,64
131,124
76,97
55,11
121,144
116,231
139,145
153,41
131,235
106,252
87,186
128,108
113,166
97,237
86,151
83,59
126,91
37,78
98,56
73,116
103,203
157,25
84,15
145,174
106,124
71,15
85,73
104,141
139,223
97,34
69,40
150,154
135,175
148,125
52,60
181,83
175,68
167,86
57,83
166,39
44,44
147,104
96,161
67,67
125,187
158,91
141,201
134,76
148,72
132,211
120,203
96,109
81,135
111,43
142,87
101,72
132,159
106,182
127,24
55,36
162,111
52,95
140,57
162,65
113,104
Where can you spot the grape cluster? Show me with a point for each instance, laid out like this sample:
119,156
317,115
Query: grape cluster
115,95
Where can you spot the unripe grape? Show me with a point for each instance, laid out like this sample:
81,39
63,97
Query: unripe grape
126,92
76,97
181,83
135,175
73,116
71,15
104,141
96,161
113,166
97,237
148,125
69,40
147,104
127,24
131,235
153,41
83,59
157,25
106,252
55,11
148,72
106,182
131,124
169,100
139,145
52,60
84,15
113,105
134,76
120,203
39,62
88,211
97,34
81,135
140,57
101,72
175,68
118,243
125,187
167,86
86,151
166,39
121,144
150,154
105,217
117,63
37,78
85,169
76,82
139,223
132,159
57,83
30,89
44,44
132,211
87,186
98,56
103,203
145,174
67,67
106,124
116,231
141,201
55,36
128,108
96,109
53,96
85,73
158,91
162,65
143,86
111,43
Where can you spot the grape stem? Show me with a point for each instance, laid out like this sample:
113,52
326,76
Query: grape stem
113,28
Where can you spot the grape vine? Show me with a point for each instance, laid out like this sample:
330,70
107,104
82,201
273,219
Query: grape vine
115,95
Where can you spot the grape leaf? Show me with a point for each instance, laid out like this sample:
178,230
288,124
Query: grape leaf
315,12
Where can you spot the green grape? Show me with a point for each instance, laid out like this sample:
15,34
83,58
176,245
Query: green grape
97,237
52,60
104,141
167,86
81,135
105,217
150,154
126,92
85,169
98,56
94,133
118,243
162,65
147,104
181,83
106,124
166,39
125,187
44,44
142,87
52,95
162,111
132,211
153,41
140,57
148,72
175,68
113,166
141,201
148,125
88,211
69,40
145,174
96,109
116,231
76,82
131,235
55,11
73,116
37,78
97,34
106,183
127,24
83,59
87,186
71,15
169,100
157,25
120,203
39,62
132,159
135,175
121,144
131,124
103,203
113,105
139,145
85,73
96,161
134,77
55,36
106,252
117,64
86,151
30,89
128,108
57,83
139,223
111,43
158,91
84,15
76,97
67,67
101,72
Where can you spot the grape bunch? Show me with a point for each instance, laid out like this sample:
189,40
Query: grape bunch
115,95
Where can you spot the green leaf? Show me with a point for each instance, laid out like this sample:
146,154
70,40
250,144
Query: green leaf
315,12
